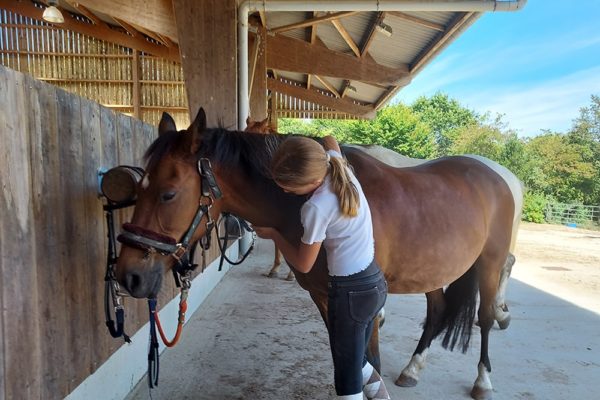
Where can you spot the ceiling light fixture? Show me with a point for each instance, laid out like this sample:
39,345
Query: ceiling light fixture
53,14
384,29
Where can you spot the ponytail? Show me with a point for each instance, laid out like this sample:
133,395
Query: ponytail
343,187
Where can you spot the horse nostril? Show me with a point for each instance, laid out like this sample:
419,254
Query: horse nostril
132,281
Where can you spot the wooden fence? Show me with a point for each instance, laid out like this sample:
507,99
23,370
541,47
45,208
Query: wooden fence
53,235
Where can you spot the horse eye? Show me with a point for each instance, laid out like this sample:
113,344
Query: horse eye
167,196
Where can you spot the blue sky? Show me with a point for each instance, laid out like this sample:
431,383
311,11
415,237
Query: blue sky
538,66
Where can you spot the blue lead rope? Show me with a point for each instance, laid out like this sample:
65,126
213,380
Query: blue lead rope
153,358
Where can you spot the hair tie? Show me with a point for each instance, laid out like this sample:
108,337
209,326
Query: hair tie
327,157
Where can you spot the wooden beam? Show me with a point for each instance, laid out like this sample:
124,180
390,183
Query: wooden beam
130,29
263,19
314,96
313,21
102,32
417,20
346,36
136,89
288,54
153,15
328,85
207,39
258,89
86,13
371,33
313,38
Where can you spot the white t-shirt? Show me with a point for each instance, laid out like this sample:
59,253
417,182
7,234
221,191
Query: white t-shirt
348,240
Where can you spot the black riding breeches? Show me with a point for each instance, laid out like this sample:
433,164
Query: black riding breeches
353,303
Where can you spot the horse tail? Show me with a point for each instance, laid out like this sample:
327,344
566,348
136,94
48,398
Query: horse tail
461,303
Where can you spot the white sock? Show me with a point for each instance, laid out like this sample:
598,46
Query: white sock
357,396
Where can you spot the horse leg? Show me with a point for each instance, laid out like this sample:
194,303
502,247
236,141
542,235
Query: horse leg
489,268
373,356
276,264
501,313
433,321
290,276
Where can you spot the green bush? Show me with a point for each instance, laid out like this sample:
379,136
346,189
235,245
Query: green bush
534,205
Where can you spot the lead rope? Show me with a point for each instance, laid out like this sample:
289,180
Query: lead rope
153,358
185,282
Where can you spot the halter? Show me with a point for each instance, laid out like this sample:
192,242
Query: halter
150,241
183,252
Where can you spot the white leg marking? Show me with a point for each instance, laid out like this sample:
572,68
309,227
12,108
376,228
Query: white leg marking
483,378
416,364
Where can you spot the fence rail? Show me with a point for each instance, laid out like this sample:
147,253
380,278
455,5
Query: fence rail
573,214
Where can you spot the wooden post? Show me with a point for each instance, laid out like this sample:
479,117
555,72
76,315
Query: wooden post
207,43
258,93
135,77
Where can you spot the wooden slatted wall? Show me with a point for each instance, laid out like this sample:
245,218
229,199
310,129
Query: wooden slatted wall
94,69
53,235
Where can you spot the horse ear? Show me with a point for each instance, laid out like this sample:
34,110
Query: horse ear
196,129
167,124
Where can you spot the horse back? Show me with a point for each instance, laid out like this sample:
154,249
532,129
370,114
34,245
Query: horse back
432,221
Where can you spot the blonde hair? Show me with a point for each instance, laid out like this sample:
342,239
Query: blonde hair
301,161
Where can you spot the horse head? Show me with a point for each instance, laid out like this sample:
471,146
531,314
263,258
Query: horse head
168,198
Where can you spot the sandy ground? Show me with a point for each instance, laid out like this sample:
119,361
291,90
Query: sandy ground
260,338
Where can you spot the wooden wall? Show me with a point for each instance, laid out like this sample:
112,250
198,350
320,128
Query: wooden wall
53,235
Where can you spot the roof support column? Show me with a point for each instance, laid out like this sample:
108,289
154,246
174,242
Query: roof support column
258,82
207,43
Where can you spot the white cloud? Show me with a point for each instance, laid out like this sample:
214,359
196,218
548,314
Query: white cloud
547,105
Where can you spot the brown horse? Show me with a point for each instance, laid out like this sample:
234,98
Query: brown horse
266,128
444,222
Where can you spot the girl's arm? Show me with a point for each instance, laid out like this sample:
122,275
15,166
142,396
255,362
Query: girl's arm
302,257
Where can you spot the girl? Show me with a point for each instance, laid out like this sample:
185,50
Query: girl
337,216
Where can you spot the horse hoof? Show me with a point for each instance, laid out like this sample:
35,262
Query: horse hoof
504,323
290,278
406,381
481,394
269,275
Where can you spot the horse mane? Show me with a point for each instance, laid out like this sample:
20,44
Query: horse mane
251,152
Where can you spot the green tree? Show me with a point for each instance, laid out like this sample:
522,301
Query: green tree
444,116
395,127
585,133
558,167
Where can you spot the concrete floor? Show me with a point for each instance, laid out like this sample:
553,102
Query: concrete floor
260,338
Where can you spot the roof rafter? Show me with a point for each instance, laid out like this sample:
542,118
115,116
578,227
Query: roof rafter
346,36
315,96
370,33
417,20
313,21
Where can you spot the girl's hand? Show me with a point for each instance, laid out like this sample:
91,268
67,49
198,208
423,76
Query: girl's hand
264,232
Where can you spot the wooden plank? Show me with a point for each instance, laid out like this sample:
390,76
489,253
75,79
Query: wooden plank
207,41
288,54
314,96
73,218
20,347
328,85
313,21
95,234
258,91
50,206
109,159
